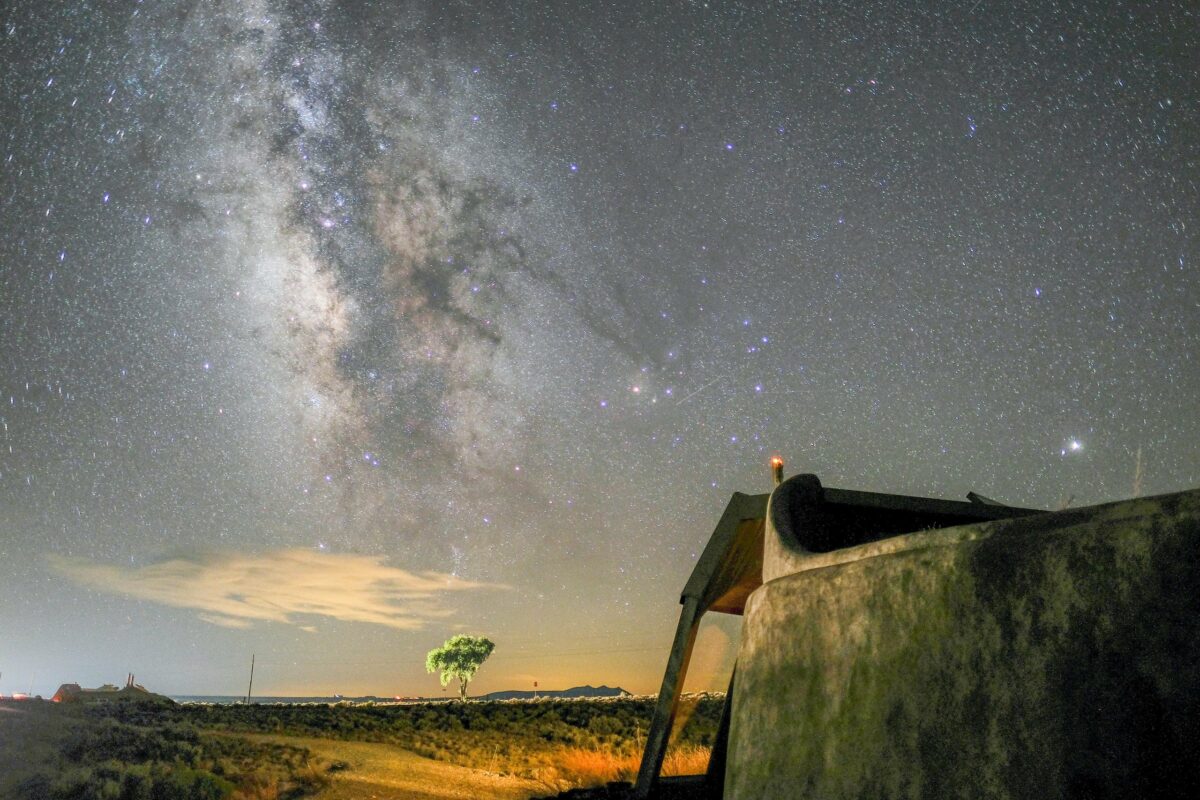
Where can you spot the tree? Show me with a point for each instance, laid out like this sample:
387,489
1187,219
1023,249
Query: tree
460,658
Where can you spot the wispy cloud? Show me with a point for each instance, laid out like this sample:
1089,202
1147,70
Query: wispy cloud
235,590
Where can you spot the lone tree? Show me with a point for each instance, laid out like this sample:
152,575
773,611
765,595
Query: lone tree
460,657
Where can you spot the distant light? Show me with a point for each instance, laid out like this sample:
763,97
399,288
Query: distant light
776,461
1076,444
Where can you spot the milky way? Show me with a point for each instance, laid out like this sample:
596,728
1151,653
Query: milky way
508,298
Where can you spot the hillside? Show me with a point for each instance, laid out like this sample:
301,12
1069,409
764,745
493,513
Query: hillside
573,692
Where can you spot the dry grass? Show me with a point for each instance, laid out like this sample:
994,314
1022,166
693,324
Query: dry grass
595,766
379,770
688,760
258,792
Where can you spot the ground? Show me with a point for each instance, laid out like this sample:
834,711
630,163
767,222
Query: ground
506,750
377,771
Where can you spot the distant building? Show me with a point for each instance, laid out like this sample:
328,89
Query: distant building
132,692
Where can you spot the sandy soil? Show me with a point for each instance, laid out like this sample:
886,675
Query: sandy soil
385,772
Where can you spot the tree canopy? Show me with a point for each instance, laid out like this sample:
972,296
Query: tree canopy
459,659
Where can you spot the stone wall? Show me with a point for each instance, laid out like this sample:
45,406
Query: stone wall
1043,657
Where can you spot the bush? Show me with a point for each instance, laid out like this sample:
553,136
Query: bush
113,752
129,753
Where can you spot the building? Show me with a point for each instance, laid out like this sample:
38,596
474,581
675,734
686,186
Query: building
132,692
898,646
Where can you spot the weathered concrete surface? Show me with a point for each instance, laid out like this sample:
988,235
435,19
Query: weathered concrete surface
1055,656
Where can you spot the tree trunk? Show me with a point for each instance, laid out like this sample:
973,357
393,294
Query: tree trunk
462,691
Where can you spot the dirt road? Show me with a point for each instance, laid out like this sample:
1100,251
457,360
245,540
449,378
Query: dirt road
385,772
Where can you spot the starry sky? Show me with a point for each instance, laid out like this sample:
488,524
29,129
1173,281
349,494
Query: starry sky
331,329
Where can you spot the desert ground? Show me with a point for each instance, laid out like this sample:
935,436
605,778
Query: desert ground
506,750
379,771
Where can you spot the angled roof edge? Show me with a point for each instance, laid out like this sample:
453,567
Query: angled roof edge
740,507
932,505
743,507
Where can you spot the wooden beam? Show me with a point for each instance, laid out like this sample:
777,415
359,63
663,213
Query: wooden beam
668,698
700,591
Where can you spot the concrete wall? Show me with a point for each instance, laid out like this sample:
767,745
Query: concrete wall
1044,657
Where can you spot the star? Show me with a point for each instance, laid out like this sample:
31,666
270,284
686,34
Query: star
415,328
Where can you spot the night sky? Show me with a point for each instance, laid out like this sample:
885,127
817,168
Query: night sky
329,330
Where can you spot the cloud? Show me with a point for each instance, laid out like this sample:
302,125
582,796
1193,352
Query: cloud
227,622
236,590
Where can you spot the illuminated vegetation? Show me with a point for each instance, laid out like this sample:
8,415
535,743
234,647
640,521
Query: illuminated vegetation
258,752
459,659
126,751
560,743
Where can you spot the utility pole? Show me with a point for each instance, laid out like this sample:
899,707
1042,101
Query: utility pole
251,686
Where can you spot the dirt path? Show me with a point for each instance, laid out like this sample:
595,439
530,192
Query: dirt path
385,772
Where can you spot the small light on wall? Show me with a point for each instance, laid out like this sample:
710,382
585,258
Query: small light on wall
777,469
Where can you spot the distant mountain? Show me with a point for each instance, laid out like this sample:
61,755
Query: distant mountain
576,691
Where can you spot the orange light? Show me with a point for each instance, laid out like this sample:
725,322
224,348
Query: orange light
777,470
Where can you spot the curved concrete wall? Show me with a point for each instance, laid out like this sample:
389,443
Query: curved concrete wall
1050,656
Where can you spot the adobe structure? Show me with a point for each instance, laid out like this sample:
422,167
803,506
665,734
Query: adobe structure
904,647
